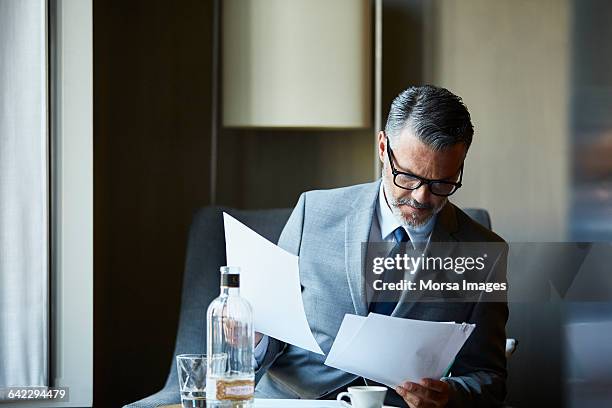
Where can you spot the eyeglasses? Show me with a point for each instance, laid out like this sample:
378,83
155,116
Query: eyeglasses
409,181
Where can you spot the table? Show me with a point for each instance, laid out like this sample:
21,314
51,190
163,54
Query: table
287,403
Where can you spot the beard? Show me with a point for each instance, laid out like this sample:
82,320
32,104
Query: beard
409,221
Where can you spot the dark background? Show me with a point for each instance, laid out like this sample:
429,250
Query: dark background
152,70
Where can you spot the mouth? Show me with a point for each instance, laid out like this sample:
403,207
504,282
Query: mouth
417,209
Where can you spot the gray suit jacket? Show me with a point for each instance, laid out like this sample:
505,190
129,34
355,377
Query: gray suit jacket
326,230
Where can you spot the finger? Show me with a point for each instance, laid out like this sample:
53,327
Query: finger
421,391
409,385
436,385
422,394
413,400
439,391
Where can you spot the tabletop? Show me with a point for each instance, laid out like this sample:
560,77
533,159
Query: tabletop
287,403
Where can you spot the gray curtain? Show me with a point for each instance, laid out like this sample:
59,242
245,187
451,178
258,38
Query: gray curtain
23,194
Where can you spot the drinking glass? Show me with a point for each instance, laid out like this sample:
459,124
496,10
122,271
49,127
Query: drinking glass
191,369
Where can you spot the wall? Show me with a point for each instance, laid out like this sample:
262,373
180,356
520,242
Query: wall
509,59
404,51
267,169
152,70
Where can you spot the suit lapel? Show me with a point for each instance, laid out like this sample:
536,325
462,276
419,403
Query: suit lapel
357,232
446,226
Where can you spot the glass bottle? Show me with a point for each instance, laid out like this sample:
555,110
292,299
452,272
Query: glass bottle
230,381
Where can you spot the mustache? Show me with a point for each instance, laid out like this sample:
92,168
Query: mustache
412,202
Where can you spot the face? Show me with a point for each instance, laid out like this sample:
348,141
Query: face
414,208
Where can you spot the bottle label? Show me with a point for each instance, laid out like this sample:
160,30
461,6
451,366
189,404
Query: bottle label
233,390
230,280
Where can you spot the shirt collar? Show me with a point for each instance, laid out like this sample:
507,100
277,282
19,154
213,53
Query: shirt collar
389,223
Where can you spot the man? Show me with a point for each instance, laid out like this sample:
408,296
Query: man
422,150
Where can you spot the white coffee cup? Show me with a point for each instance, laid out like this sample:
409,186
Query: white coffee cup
363,397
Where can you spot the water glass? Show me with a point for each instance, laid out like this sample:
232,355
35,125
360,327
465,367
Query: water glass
191,369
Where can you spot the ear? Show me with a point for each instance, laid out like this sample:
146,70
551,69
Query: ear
382,146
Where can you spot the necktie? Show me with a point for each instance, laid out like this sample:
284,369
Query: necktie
390,298
400,235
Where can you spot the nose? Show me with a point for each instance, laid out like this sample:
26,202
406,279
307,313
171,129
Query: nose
422,194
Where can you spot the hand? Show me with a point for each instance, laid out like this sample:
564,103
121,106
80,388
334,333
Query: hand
428,393
258,337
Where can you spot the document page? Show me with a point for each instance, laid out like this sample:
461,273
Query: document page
391,350
270,281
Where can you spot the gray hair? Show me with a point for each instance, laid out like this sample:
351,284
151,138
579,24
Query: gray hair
435,115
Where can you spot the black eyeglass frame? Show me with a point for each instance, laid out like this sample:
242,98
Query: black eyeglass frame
457,185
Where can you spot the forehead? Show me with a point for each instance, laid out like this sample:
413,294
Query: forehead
414,156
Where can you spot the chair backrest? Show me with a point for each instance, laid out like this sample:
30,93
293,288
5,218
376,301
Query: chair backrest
479,215
206,253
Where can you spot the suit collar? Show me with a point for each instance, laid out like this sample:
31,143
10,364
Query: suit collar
367,197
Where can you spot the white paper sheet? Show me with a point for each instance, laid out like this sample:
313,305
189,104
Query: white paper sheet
270,281
348,329
391,350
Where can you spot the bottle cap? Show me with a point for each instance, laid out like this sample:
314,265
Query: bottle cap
230,276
